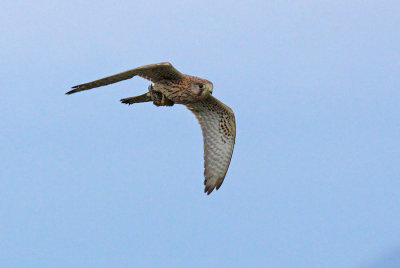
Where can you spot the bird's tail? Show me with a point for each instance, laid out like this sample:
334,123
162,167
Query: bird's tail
141,98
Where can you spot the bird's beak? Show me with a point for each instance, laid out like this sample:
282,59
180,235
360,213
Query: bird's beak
209,88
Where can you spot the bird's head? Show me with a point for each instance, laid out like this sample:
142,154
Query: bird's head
201,87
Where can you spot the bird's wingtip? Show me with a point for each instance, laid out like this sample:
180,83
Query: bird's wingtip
74,90
70,92
212,183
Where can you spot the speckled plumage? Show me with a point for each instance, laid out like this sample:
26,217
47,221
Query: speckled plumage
217,120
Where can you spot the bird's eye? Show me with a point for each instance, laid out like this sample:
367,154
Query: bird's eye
201,85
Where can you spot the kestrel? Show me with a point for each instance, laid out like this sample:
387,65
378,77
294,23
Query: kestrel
170,86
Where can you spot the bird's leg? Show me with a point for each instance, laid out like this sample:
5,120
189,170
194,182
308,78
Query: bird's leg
158,98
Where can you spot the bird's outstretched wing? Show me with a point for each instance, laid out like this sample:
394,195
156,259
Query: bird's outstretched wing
152,72
218,126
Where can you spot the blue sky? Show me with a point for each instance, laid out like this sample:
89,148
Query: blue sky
315,176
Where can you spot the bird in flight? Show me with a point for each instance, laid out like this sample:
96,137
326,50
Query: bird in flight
169,86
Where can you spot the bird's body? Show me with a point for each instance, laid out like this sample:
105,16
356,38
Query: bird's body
217,120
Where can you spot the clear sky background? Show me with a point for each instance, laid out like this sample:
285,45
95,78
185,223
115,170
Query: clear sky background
89,182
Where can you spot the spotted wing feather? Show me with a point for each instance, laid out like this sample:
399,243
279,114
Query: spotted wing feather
218,126
152,72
